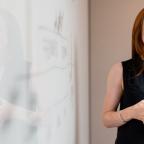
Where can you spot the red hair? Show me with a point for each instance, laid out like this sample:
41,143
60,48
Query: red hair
137,41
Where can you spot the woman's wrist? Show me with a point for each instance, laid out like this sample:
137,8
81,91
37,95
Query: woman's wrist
121,117
127,113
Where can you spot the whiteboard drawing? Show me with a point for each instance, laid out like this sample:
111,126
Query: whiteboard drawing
37,96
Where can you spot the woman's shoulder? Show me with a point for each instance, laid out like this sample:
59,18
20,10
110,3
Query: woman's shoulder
117,67
115,73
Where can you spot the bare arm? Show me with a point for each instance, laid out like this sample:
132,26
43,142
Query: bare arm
110,115
11,111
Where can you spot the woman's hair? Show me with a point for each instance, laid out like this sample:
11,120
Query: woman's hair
137,42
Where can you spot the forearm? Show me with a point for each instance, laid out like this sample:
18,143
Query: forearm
113,119
22,114
11,111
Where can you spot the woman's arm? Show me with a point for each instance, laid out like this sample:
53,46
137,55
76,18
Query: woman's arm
110,115
11,111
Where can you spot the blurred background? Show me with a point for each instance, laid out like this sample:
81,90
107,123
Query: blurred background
54,60
44,85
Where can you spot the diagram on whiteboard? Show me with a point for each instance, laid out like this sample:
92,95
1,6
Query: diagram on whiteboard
37,73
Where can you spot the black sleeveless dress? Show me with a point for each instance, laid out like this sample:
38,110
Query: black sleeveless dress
131,132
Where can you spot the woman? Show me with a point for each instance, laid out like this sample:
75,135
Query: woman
125,86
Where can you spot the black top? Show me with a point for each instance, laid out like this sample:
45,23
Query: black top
131,132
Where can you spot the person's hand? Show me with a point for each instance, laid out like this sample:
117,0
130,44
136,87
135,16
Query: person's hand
5,111
138,110
38,117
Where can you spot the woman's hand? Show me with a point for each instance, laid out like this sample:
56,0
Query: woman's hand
138,110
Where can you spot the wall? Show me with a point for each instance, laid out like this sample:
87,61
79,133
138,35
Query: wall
111,24
82,73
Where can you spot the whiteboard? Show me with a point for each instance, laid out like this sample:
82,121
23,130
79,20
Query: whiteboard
37,72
